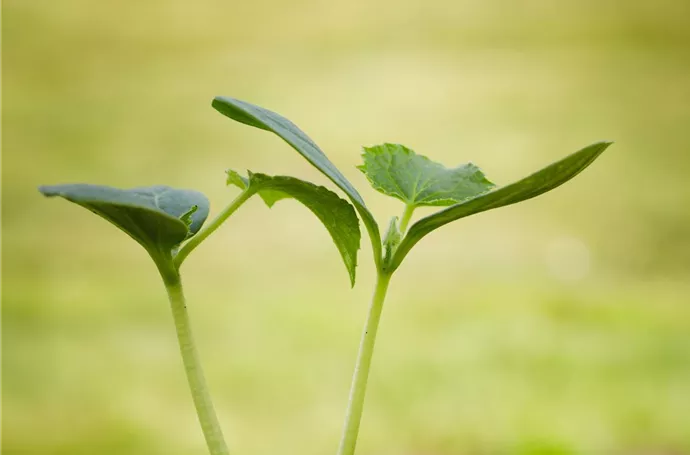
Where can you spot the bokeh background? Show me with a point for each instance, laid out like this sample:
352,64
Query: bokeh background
557,327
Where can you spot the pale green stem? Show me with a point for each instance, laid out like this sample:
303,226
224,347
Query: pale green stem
406,216
190,358
211,227
359,380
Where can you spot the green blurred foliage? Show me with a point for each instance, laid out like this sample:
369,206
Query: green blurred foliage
558,327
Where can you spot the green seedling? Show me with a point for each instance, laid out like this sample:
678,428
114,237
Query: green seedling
399,172
168,223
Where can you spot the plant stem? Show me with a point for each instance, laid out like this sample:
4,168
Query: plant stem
359,380
406,216
211,227
195,375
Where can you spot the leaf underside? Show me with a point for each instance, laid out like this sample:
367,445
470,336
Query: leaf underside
264,119
538,183
158,217
336,214
398,171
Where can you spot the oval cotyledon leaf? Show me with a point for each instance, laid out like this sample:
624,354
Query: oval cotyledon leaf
261,118
157,217
336,214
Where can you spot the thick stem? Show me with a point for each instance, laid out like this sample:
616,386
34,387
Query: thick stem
195,375
406,216
211,227
359,380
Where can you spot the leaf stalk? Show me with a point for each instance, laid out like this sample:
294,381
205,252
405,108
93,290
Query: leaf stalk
406,217
212,226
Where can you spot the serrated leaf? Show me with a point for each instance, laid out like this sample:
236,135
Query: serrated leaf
187,219
234,178
336,214
538,183
264,119
158,217
269,197
398,171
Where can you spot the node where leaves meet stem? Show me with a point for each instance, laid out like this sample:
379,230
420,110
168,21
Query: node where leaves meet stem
211,227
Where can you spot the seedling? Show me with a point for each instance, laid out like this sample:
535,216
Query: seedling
168,223
397,171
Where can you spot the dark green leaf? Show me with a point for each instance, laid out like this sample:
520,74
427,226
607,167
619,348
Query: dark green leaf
538,183
398,171
264,119
158,217
336,214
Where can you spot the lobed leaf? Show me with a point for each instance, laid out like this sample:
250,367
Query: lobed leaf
336,214
538,183
158,217
264,119
398,171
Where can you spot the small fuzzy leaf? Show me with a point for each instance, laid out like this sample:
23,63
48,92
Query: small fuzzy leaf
538,183
398,171
186,218
391,240
234,178
264,119
158,217
270,197
336,214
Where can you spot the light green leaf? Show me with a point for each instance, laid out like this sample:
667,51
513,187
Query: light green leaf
270,197
234,178
538,183
398,171
264,119
336,214
158,217
391,240
187,219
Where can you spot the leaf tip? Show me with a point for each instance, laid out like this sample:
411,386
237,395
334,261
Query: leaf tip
218,100
49,190
598,148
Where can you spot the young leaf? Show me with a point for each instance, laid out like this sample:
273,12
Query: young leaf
336,214
187,219
269,197
264,119
538,183
158,217
391,240
398,171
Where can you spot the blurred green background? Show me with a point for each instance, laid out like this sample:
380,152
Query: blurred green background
557,327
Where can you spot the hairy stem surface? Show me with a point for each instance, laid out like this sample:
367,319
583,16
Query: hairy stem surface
195,375
211,227
359,380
